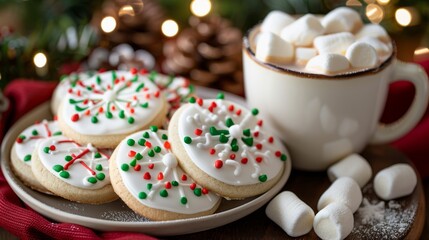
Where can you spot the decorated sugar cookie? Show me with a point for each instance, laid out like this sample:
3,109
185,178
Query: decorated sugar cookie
105,108
147,177
73,171
225,147
23,148
65,83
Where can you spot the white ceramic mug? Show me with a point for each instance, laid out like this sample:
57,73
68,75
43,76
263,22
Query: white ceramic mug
324,118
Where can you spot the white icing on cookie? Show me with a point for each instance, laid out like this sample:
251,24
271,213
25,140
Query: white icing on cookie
81,166
28,139
113,102
231,141
151,174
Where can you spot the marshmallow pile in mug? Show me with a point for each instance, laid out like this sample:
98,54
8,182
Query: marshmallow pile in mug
336,43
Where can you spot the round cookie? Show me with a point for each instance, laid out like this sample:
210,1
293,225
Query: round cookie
64,85
24,147
107,107
224,147
75,172
146,176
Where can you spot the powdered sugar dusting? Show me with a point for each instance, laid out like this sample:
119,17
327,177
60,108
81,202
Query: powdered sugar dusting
123,216
383,219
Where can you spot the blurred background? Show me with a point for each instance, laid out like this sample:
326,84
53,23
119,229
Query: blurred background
199,39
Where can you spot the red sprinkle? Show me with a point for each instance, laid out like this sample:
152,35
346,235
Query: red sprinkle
138,167
213,104
85,101
148,144
260,123
148,96
133,70
150,166
238,112
143,71
113,108
270,139
131,153
101,109
212,151
70,90
75,117
232,156
278,154
160,176
55,117
193,186
167,145
134,97
200,101
116,81
52,148
218,164
259,159
102,70
168,185
156,94
198,132
231,108
147,176
132,110
258,146
184,177
204,191
88,112
19,140
244,160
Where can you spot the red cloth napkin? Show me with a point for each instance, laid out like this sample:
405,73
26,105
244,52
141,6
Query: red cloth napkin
25,223
16,217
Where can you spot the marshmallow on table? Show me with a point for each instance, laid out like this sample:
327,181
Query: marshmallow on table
303,31
334,43
362,55
291,214
383,49
373,30
328,63
344,190
396,181
335,221
342,19
275,21
271,48
303,55
353,166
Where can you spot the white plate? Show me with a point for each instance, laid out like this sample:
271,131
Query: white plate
116,216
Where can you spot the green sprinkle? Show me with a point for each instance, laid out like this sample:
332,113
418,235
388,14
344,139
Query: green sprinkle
223,138
188,140
183,200
234,146
139,87
197,192
192,100
157,149
57,133
144,105
109,115
229,122
89,88
142,195
68,158
164,137
246,132
97,155
64,174
92,180
125,167
220,96
114,76
133,162
121,114
130,120
152,76
35,132
27,157
163,193
22,137
263,178
141,142
131,142
94,119
98,80
174,183
151,153
58,168
248,141
100,176
149,186
154,128
146,135
255,111
99,167
80,109
46,149
283,157
135,78
72,101
138,156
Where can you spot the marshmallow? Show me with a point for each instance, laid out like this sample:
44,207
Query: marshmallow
271,48
303,31
342,19
373,30
275,21
334,43
291,214
353,166
395,181
328,63
335,221
344,190
362,55
383,49
303,55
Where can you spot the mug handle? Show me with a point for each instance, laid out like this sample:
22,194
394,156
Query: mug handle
416,75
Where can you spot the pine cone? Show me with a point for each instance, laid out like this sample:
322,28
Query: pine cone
138,23
208,53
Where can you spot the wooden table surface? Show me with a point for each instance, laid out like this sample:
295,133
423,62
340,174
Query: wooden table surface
309,187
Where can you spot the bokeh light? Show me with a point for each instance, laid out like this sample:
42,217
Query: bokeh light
374,13
40,60
201,8
403,17
108,24
170,28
